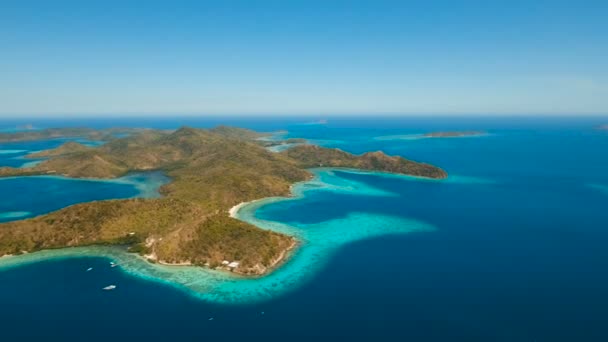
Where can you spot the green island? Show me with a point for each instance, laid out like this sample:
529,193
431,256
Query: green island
76,132
212,171
453,134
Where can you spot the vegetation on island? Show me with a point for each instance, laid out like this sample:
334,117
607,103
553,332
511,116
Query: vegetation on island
309,156
237,133
66,148
15,171
70,132
211,171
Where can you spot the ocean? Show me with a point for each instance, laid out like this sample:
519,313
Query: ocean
511,247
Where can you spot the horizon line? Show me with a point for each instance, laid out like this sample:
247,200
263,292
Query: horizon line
84,115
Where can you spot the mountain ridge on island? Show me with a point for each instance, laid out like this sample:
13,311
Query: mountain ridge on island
68,132
211,171
65,148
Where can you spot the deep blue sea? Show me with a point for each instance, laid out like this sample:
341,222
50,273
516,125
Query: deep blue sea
518,251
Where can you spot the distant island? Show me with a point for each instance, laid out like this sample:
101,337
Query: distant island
212,171
26,127
453,134
28,133
603,127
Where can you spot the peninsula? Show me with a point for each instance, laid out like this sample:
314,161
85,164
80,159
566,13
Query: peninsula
211,170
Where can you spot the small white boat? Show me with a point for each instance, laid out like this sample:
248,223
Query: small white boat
113,264
211,319
109,287
89,269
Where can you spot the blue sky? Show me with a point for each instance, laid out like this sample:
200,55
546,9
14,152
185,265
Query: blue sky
303,57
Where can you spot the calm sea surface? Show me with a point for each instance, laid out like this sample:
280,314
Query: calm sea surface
519,250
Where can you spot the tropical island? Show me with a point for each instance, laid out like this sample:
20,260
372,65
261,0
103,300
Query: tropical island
453,134
212,171
29,133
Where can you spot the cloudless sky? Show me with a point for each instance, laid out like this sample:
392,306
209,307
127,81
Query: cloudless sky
303,57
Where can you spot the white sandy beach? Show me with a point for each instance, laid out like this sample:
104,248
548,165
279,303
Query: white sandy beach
232,212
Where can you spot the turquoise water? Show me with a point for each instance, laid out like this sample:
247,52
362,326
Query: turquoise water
511,247
283,147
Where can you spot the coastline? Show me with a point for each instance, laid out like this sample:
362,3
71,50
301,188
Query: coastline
313,245
235,209
283,256
293,192
318,179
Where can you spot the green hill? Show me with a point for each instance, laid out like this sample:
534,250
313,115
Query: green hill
70,132
66,148
309,156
